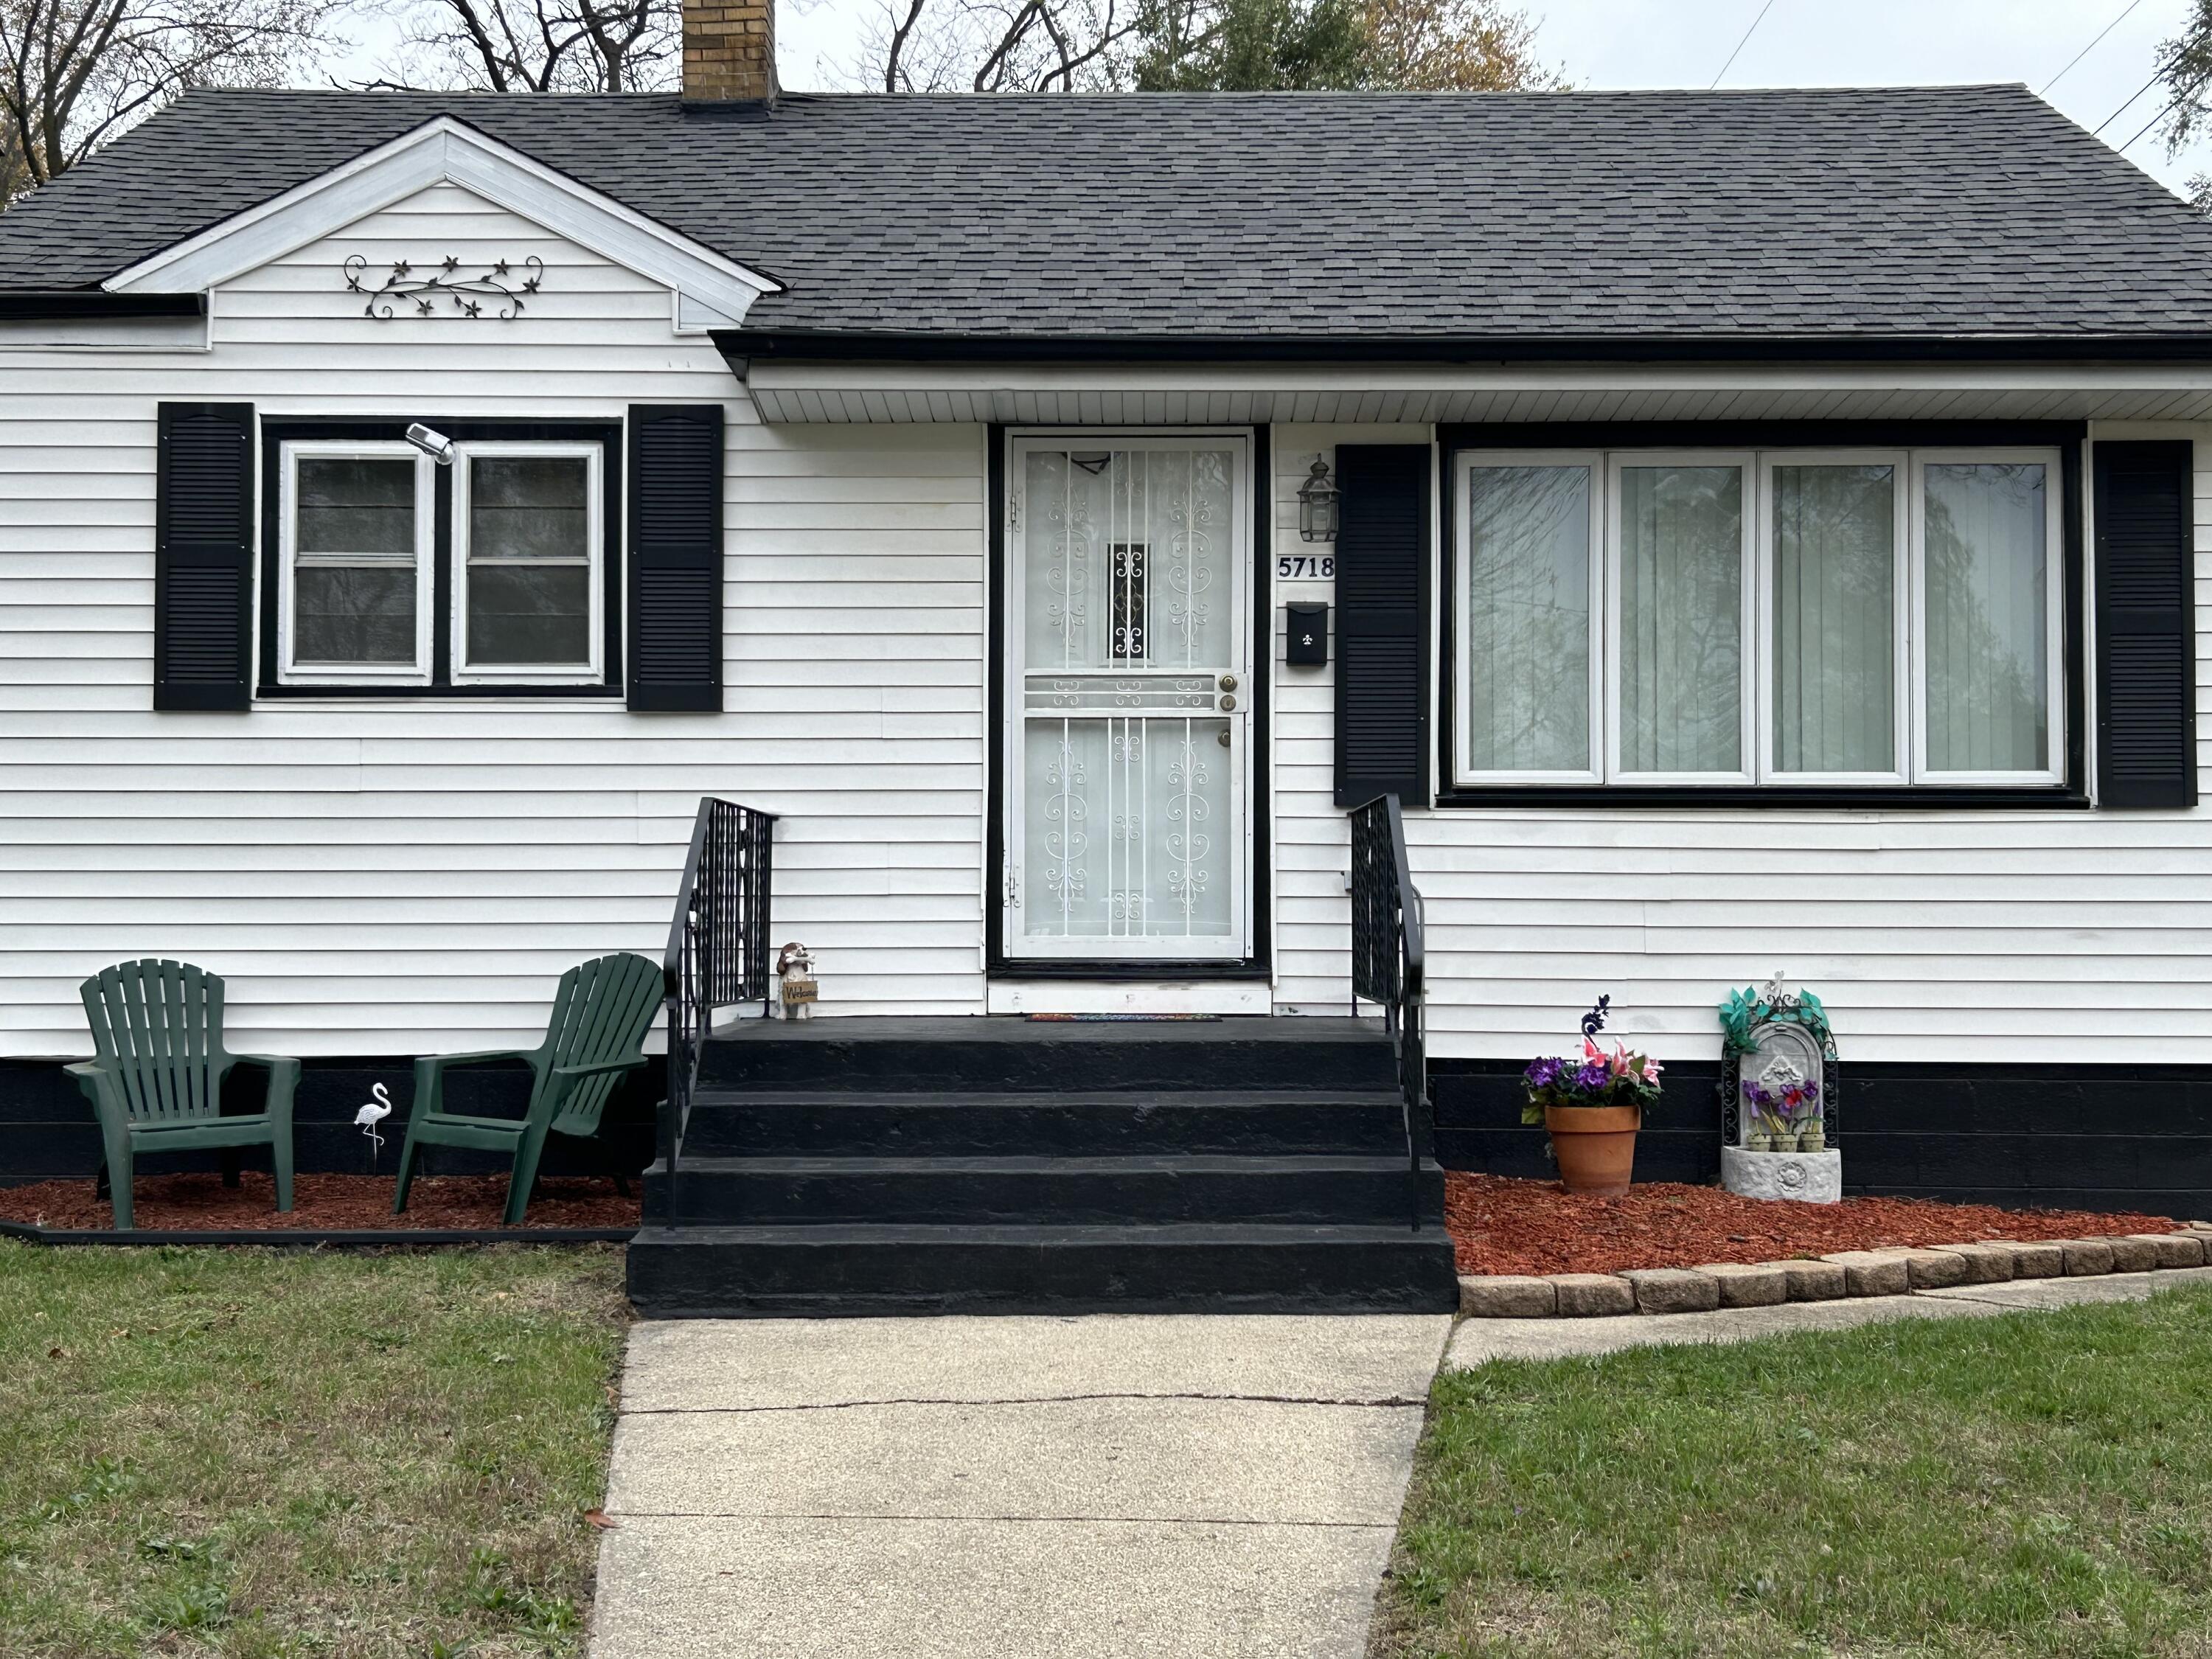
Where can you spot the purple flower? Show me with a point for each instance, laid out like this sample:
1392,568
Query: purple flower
1542,1073
1592,1077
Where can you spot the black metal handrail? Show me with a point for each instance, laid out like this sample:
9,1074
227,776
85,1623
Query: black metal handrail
717,955
1387,963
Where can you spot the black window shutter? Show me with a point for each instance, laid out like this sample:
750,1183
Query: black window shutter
675,556
1382,622
203,556
2146,655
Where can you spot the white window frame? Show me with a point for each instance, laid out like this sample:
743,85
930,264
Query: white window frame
1902,669
591,673
418,672
1465,466
2054,614
1746,463
1759,583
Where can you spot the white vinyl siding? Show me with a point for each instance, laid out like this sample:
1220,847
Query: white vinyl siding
388,878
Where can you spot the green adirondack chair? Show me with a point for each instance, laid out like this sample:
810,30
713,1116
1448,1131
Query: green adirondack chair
156,1082
600,1015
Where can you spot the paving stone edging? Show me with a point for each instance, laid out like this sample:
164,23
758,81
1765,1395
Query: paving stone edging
1892,1272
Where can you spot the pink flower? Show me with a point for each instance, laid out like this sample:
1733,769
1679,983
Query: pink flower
1651,1071
1592,1053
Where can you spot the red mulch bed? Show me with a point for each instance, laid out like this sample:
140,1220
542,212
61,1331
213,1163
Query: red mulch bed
328,1202
1501,1225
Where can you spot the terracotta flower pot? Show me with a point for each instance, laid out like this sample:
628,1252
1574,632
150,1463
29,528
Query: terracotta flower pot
1595,1146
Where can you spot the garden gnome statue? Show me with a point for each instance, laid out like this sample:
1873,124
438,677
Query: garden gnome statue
795,971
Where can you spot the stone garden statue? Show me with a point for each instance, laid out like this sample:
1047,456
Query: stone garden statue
1778,1088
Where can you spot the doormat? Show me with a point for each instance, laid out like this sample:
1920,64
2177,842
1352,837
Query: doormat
1120,1019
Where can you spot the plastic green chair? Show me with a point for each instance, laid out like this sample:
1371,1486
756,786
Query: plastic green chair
155,1083
600,1015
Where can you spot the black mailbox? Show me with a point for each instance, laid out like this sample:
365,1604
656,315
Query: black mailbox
1306,644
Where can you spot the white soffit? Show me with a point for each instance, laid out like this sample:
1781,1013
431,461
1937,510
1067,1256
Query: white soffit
1202,394
450,150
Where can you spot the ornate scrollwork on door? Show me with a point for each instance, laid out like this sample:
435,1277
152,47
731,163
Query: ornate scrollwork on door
1066,811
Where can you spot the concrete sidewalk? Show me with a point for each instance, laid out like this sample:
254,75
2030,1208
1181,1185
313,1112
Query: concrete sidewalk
1119,1485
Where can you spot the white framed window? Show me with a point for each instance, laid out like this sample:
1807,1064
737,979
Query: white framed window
528,564
1845,618
1835,617
1986,601
1530,627
1680,588
356,533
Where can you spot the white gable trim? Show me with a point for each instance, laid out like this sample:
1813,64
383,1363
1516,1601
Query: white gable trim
447,149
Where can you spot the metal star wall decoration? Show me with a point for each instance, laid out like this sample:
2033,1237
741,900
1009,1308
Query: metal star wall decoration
495,287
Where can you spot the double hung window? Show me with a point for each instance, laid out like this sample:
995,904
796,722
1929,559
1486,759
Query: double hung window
1741,618
356,577
527,549
392,572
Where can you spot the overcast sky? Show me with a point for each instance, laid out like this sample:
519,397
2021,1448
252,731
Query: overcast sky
1683,43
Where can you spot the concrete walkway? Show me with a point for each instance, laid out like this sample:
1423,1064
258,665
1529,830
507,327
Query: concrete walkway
1479,1340
1131,1485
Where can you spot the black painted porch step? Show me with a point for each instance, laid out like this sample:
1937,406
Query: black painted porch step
988,1054
876,1120
1050,1190
860,1269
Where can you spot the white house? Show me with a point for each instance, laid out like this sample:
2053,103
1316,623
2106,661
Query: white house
1769,541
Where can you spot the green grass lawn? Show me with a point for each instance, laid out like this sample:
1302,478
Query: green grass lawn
2040,1484
253,1454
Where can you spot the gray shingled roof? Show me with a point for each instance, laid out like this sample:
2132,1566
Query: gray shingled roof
1907,211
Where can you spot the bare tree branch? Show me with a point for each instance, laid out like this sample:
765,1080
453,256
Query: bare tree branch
74,73
901,31
533,45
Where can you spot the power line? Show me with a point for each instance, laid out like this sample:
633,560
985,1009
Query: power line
1740,45
2087,50
2124,109
2171,104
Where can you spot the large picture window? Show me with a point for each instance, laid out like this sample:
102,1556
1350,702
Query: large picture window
1883,617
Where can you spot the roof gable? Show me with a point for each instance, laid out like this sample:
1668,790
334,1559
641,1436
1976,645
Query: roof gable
712,289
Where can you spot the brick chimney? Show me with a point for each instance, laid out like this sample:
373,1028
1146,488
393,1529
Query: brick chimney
729,51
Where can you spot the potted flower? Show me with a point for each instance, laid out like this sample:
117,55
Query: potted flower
1593,1106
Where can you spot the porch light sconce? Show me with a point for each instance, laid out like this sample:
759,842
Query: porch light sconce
1317,504
436,445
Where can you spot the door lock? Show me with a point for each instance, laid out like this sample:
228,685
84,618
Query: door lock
1222,738
1229,682
1228,703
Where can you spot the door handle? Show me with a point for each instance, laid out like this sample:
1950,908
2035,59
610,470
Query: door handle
1229,682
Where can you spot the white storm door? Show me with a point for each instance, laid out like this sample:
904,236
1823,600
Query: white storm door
1129,696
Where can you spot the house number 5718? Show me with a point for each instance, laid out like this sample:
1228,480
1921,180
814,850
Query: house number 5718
1306,567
